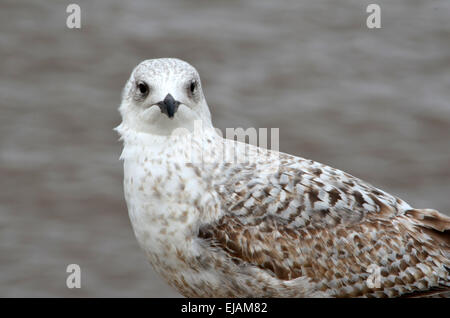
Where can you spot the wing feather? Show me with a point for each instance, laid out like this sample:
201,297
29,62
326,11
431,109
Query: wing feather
304,219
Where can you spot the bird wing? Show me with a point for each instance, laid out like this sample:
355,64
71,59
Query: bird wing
304,219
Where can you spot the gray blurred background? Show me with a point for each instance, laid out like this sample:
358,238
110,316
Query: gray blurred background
374,103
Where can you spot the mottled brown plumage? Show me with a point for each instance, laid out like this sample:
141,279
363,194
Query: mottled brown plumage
282,232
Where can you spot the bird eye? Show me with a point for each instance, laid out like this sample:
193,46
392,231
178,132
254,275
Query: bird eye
142,88
193,86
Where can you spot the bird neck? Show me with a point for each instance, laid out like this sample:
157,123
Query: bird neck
187,143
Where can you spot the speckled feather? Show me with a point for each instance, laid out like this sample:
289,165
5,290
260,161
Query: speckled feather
274,226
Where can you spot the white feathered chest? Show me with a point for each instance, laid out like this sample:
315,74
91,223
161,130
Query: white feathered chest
167,200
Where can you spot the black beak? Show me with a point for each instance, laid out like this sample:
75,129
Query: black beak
169,106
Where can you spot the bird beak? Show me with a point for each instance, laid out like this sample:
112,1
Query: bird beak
169,106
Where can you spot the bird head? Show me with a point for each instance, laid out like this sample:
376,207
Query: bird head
162,95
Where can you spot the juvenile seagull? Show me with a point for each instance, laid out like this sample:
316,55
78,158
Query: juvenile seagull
273,225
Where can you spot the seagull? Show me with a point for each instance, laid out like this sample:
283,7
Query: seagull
221,218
